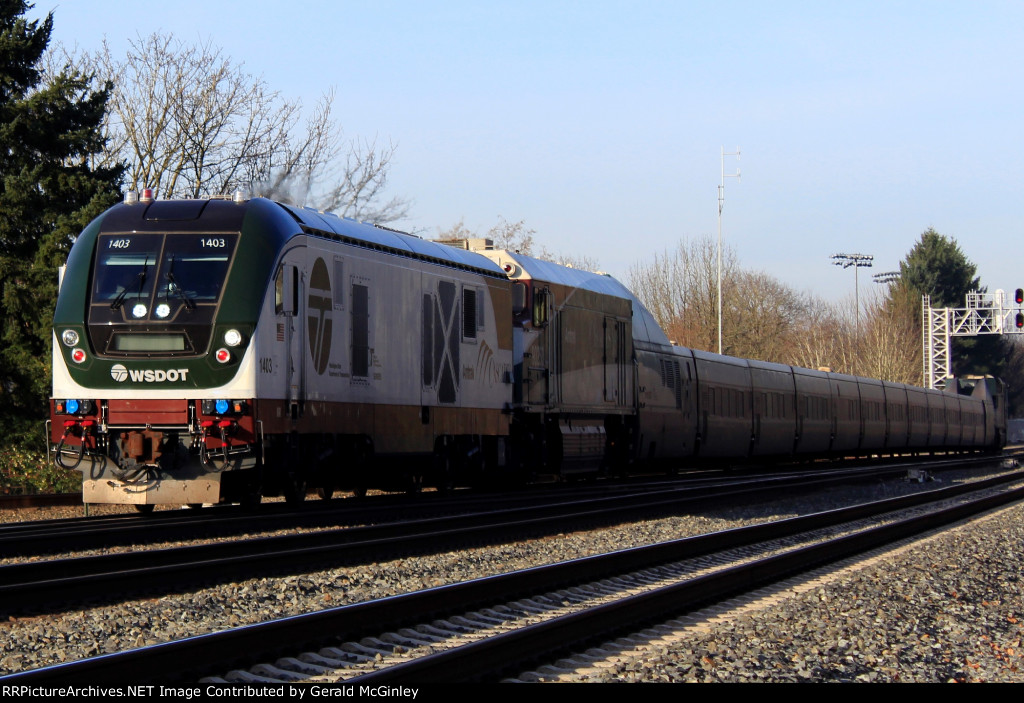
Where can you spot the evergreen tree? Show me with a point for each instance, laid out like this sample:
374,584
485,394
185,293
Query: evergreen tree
937,267
49,133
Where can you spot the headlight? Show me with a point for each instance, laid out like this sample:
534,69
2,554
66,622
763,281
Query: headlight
70,337
232,338
163,310
139,310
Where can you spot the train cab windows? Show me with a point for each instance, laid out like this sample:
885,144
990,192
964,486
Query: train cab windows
159,274
194,267
126,269
519,298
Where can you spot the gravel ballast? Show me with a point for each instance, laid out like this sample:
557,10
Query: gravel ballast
948,609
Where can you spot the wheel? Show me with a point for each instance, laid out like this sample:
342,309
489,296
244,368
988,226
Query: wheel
251,499
443,473
325,492
144,508
295,491
415,484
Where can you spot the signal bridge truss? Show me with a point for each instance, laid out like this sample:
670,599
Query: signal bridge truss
986,313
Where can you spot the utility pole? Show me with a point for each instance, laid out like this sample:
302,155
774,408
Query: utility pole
721,204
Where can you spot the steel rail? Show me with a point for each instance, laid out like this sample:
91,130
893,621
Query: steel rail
82,534
221,650
495,654
43,586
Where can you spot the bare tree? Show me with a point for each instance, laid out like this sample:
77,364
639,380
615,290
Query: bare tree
887,345
323,171
889,342
188,122
761,317
680,290
821,339
513,236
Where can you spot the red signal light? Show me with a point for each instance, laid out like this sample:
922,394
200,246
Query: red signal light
1019,296
1020,320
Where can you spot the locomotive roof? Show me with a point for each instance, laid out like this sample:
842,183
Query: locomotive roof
645,327
391,239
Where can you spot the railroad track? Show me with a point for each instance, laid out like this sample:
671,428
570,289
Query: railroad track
51,585
64,536
485,625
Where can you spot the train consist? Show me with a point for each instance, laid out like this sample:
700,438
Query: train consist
218,350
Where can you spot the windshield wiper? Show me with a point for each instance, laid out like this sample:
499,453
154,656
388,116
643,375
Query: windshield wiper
119,300
172,285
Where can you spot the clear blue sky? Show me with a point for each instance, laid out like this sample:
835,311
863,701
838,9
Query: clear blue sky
601,123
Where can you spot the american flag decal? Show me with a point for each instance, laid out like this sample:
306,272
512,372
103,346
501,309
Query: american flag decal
280,331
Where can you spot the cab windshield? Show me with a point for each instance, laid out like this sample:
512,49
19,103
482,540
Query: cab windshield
155,276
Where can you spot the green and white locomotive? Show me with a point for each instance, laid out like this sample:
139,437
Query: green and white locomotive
213,350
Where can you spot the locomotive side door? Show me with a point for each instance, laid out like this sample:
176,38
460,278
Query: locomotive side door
290,308
615,357
536,362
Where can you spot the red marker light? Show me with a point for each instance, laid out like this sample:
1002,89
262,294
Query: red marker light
223,355
78,356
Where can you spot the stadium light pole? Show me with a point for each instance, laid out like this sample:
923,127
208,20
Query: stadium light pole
857,261
721,204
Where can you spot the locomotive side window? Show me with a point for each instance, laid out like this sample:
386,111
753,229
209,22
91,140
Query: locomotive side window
519,296
339,290
469,315
286,291
427,341
360,331
279,292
